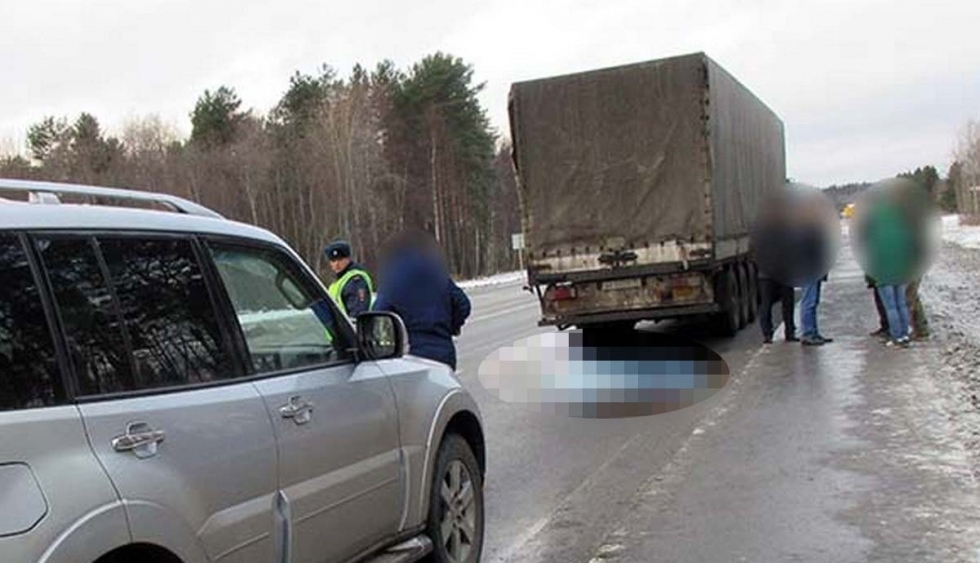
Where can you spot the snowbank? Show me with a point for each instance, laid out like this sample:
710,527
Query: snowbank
967,236
498,279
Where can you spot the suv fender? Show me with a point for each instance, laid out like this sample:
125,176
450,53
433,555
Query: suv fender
455,402
90,537
157,525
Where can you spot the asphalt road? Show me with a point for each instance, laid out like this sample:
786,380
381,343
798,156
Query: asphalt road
838,453
555,484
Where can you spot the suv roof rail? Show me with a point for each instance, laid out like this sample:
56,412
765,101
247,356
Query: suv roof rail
42,192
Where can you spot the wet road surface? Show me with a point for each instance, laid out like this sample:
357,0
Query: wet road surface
835,454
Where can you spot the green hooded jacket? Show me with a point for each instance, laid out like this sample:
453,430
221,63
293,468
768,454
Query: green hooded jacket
890,245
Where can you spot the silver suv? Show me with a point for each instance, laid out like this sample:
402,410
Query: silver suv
177,387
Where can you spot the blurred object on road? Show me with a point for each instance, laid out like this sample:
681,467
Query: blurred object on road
604,374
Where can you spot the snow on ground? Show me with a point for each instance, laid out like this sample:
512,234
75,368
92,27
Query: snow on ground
949,293
967,236
498,279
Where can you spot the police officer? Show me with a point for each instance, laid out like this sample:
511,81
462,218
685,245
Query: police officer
353,289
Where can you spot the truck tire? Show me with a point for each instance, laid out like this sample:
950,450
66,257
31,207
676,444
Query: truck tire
744,295
726,295
753,291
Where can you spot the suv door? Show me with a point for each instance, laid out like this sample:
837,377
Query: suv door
335,420
42,439
188,444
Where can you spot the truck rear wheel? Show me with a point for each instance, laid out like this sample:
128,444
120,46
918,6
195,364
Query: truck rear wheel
726,295
744,295
753,296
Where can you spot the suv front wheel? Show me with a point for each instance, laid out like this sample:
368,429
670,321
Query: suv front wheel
455,522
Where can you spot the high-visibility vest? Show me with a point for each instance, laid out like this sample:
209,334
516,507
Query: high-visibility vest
336,289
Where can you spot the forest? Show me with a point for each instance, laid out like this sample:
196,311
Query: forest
358,157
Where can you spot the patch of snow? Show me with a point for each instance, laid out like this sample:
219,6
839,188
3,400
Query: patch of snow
253,317
967,236
949,295
498,279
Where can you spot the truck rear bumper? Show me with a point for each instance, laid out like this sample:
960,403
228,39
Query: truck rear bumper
633,315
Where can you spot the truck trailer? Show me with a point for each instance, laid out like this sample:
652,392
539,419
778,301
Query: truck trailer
638,186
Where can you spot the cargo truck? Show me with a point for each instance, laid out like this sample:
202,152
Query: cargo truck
639,185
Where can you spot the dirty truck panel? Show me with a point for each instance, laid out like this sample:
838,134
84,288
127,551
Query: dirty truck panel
638,188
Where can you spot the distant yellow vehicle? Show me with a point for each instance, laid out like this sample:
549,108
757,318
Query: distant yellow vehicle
848,211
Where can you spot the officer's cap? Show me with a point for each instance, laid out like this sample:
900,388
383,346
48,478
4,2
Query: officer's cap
337,249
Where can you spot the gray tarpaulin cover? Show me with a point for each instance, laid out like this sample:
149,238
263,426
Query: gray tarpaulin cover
623,153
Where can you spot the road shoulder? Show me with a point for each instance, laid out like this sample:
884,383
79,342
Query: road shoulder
841,453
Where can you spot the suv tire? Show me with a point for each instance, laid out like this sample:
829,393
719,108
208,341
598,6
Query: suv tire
455,523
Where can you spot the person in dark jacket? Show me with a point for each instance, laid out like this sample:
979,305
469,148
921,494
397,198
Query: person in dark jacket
815,250
416,285
919,322
882,330
776,266
772,290
352,289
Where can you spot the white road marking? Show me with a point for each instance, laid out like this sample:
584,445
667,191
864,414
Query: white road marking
508,553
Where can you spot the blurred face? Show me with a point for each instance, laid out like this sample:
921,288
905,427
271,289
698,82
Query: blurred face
339,264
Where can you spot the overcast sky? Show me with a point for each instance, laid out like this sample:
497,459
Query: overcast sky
865,88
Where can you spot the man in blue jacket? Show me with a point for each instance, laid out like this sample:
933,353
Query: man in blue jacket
416,286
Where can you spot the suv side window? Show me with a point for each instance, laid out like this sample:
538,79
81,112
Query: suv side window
94,335
29,375
286,321
136,312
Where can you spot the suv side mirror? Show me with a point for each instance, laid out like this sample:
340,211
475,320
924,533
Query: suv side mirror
381,335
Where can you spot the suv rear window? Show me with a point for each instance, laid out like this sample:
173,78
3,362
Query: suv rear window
95,337
152,326
28,365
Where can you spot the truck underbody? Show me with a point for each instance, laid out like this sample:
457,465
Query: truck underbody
726,291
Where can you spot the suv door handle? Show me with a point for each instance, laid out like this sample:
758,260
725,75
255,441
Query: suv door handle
297,409
140,439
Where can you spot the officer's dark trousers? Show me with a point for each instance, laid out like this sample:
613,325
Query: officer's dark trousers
773,291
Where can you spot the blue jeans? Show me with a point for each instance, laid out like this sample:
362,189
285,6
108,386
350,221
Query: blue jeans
808,309
896,309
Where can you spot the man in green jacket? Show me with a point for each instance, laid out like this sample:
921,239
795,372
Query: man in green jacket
890,261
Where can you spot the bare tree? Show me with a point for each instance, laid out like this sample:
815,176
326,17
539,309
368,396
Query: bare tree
356,158
967,183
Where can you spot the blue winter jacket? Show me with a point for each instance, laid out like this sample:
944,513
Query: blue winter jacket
417,287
